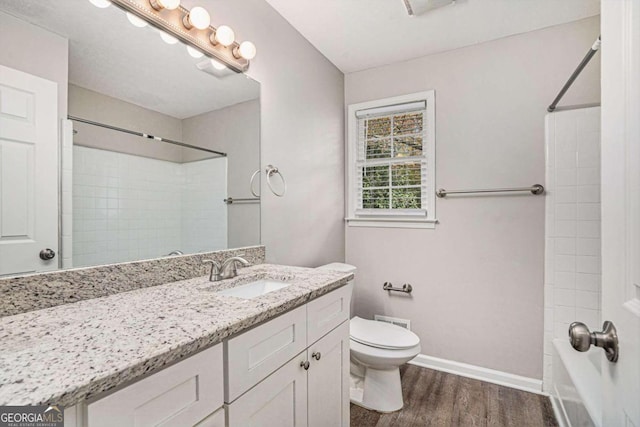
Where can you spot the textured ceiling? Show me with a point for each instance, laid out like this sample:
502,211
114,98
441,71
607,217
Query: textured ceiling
360,34
109,55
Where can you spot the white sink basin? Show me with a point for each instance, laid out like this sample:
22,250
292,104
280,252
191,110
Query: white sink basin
254,289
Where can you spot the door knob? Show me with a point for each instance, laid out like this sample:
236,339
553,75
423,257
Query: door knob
581,339
305,365
47,254
316,355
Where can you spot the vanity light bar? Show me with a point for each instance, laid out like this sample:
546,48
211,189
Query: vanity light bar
178,23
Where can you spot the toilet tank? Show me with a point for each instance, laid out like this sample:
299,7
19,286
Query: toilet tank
343,268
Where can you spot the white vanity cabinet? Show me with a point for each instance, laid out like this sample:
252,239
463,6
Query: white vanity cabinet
296,397
292,370
183,394
312,388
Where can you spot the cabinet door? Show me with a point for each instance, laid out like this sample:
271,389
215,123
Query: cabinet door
251,356
180,395
328,378
280,400
216,419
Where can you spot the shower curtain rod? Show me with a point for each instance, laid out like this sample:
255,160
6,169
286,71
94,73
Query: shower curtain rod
576,73
144,135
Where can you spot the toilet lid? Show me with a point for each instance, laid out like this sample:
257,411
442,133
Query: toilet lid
381,334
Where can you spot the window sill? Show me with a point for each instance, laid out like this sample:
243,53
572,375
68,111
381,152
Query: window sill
392,223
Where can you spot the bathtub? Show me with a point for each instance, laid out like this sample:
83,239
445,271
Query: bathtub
577,386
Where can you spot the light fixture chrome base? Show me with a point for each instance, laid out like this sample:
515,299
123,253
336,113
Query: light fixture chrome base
171,21
156,5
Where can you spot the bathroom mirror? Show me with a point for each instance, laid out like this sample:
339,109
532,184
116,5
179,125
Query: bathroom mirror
157,144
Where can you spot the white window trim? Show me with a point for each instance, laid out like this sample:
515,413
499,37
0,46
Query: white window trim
396,221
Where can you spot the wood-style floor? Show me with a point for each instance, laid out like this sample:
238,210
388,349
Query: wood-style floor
438,399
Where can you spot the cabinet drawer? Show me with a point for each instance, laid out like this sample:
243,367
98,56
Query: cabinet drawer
253,355
181,394
327,312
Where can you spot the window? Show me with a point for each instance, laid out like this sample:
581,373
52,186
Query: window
391,162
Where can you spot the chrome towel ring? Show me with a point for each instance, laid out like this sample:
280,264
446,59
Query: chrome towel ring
272,170
253,177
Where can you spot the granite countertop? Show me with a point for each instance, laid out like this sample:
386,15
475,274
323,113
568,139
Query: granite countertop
66,354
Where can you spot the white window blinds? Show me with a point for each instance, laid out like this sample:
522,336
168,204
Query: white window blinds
391,160
392,109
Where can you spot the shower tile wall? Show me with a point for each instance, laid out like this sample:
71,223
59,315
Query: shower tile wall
66,152
572,246
204,214
129,207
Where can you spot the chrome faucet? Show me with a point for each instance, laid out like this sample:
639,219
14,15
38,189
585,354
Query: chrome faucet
214,275
227,270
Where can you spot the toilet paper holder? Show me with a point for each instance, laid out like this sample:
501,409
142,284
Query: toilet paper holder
406,288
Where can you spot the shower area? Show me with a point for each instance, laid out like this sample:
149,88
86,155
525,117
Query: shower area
138,196
128,207
572,281
573,260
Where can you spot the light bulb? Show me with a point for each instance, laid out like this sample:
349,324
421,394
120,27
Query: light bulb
137,22
195,53
247,50
167,38
225,36
164,4
100,3
218,66
197,17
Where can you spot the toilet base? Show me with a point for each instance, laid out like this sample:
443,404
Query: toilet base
379,390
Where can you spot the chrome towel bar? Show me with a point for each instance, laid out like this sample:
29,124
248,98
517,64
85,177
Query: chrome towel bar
231,200
406,288
535,189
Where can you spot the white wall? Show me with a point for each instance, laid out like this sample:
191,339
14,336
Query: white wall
36,51
302,105
91,105
478,277
573,259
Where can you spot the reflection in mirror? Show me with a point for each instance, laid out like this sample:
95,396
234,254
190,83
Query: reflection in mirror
157,144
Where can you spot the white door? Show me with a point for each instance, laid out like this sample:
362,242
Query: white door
621,207
28,172
329,379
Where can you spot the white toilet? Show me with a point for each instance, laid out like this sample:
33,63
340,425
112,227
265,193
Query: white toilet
377,351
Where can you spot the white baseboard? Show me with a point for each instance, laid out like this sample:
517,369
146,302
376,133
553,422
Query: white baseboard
478,373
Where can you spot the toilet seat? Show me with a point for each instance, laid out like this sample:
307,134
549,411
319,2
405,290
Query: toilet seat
389,355
382,335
